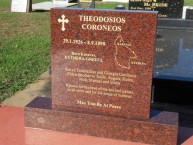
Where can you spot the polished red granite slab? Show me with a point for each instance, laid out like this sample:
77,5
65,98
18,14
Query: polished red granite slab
34,136
102,61
161,129
13,132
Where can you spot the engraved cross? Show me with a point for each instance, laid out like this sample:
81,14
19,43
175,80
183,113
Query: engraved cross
63,21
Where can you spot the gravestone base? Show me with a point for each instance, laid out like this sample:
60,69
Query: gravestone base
161,128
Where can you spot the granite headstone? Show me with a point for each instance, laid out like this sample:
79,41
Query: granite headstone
102,64
166,8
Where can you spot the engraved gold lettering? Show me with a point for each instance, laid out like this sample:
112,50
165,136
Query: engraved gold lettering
85,18
150,5
79,102
98,104
102,19
101,27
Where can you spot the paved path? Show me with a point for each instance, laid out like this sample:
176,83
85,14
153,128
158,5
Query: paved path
42,87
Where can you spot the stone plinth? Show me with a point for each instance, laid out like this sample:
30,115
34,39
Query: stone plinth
161,129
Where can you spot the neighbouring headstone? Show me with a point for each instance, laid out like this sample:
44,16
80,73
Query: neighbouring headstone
86,3
102,63
21,5
166,8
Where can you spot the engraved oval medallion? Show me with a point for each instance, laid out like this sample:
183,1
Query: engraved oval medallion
40,120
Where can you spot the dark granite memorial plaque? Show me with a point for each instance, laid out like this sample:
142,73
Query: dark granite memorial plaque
102,61
166,8
173,70
173,67
86,3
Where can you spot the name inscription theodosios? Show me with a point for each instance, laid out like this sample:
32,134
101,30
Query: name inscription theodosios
102,19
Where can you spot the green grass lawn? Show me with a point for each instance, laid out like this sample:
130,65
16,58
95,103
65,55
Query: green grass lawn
25,46
188,2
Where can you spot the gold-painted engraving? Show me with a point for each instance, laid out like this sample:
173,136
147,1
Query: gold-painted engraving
63,21
98,104
162,15
84,42
109,92
102,19
101,27
103,77
79,102
160,5
41,120
83,57
138,63
123,54
159,49
149,5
